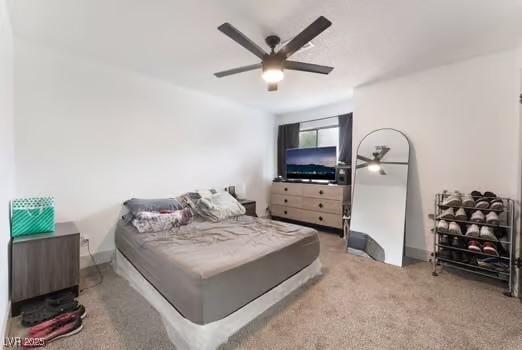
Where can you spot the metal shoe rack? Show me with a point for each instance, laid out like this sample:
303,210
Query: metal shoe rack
507,220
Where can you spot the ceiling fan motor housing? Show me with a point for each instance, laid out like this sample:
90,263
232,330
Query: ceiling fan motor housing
272,61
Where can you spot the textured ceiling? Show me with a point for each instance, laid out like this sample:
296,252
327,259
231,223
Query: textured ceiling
178,41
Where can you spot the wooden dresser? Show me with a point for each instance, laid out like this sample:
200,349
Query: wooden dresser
310,203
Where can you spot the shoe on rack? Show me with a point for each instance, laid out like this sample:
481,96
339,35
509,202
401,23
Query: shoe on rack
444,253
455,228
492,218
444,239
442,226
456,255
61,330
460,214
473,231
482,203
457,242
477,216
474,245
487,233
468,201
448,214
497,204
453,199
489,195
476,194
490,248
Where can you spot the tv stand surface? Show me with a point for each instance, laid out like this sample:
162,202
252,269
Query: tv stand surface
304,181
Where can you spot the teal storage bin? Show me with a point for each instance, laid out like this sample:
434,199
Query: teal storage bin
32,215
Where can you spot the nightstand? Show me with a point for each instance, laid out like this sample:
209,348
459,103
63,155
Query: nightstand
249,205
44,263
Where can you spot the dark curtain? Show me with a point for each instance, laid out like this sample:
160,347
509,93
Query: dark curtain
345,138
287,137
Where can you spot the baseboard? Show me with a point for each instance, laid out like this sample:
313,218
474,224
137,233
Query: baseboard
417,253
99,258
6,327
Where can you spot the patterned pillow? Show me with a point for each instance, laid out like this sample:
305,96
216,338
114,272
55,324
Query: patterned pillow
149,221
136,205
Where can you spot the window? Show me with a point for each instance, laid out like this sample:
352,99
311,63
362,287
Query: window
320,137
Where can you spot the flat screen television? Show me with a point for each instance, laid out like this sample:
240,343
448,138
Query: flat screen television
311,163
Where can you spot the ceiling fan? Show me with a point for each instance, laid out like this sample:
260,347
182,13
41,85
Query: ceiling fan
274,63
375,164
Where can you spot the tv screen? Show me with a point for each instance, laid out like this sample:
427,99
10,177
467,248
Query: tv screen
311,163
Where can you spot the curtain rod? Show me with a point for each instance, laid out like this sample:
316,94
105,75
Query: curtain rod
323,118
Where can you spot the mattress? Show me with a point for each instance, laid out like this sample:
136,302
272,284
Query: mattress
209,270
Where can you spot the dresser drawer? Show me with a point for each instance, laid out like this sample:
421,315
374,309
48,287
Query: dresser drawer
286,212
287,188
322,205
323,191
288,201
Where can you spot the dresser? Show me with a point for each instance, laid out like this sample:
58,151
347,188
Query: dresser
310,203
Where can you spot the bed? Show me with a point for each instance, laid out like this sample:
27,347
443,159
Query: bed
207,279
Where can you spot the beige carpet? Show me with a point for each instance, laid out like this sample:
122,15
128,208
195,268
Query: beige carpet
356,304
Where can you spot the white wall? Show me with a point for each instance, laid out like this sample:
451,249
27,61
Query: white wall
6,155
462,123
331,110
93,136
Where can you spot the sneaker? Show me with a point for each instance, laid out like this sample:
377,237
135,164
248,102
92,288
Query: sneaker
497,204
48,326
473,231
444,239
492,218
455,228
468,201
456,242
482,203
486,232
477,216
453,199
442,226
474,245
490,248
47,312
448,214
460,214
60,331
476,194
489,195
444,253
456,255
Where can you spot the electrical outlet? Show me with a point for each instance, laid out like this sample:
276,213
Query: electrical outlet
84,240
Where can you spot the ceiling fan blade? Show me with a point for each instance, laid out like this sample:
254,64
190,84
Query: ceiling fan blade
310,32
237,70
272,87
307,67
382,172
383,152
360,166
364,158
399,163
241,39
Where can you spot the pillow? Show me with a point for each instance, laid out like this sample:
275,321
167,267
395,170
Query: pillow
152,221
136,205
214,206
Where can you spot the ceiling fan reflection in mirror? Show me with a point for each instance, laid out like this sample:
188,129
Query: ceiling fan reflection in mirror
375,164
274,63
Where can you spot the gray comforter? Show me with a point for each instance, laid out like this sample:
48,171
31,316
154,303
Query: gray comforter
209,270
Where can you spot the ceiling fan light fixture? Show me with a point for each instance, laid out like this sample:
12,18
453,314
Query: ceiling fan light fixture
273,75
374,167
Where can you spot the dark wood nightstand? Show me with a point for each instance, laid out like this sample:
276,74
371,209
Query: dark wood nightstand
249,205
44,263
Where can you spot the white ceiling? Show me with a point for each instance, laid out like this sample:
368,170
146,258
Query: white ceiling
178,41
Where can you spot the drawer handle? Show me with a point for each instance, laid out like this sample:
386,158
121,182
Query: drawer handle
320,218
320,205
286,200
286,188
321,192
286,212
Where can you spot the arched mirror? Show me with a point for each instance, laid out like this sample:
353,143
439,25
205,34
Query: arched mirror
378,214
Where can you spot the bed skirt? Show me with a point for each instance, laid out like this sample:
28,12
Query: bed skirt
186,335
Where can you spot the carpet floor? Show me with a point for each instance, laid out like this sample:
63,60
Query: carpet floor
356,304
